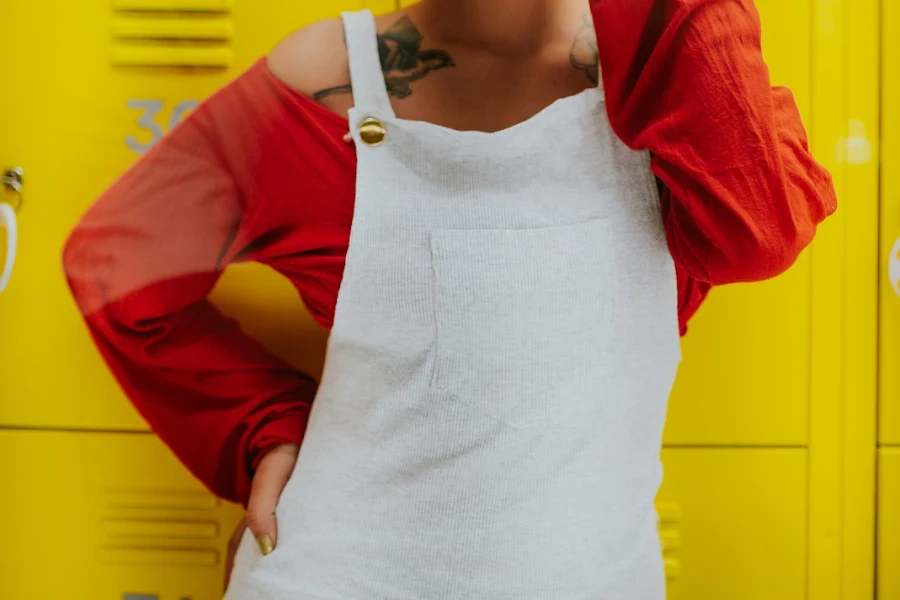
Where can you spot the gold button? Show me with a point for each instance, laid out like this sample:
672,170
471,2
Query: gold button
372,132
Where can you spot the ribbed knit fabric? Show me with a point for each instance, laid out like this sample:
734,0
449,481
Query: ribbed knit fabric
471,439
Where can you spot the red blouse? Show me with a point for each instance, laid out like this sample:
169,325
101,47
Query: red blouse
260,172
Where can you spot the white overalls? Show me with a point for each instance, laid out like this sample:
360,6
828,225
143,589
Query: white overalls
489,421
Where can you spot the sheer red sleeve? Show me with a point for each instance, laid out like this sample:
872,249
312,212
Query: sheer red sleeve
140,264
686,80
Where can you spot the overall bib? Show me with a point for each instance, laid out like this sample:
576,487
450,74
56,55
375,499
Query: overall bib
489,422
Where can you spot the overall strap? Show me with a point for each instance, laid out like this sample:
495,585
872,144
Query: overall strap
366,76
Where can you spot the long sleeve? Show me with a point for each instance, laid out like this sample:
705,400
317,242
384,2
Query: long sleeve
140,264
686,80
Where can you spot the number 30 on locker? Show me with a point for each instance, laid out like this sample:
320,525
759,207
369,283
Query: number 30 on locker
146,121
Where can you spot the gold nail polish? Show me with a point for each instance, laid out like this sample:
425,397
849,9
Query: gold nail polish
265,544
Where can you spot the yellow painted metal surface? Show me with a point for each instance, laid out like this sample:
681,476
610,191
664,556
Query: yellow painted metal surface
859,351
888,524
827,381
888,549
844,136
889,279
733,523
100,516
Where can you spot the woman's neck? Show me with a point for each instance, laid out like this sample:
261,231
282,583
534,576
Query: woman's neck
512,27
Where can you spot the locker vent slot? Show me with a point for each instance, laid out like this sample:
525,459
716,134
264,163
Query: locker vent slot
155,528
172,33
160,499
175,5
134,28
151,527
669,536
161,557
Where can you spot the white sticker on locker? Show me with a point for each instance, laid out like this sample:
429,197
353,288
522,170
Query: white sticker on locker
894,267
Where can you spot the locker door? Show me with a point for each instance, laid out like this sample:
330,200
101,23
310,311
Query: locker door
889,351
745,374
733,523
888,567
888,524
89,87
106,516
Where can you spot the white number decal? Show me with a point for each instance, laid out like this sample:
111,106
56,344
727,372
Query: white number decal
147,121
180,110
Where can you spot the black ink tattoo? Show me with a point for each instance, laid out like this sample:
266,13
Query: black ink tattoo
583,54
333,91
402,60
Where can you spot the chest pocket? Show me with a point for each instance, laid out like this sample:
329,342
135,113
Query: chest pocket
524,321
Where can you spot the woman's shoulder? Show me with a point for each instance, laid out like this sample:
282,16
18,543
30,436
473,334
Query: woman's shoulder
278,92
312,58
313,61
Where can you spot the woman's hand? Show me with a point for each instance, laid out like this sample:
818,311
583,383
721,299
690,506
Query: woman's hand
271,476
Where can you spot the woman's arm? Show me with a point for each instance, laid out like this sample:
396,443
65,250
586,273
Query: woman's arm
140,264
686,79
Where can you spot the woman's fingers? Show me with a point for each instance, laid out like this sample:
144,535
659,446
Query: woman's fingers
271,476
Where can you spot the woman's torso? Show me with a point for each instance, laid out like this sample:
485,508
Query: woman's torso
311,98
505,339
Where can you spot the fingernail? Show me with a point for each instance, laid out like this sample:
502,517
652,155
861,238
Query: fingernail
265,544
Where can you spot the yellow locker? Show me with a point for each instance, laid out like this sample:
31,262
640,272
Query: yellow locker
888,568
888,549
106,516
733,523
889,352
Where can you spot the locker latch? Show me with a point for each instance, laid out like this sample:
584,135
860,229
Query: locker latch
12,181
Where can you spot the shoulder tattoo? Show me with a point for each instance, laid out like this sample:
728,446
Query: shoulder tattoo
583,54
402,60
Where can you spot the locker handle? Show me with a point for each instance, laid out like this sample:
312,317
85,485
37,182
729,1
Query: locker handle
12,180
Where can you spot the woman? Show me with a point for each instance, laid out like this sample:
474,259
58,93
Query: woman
507,330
